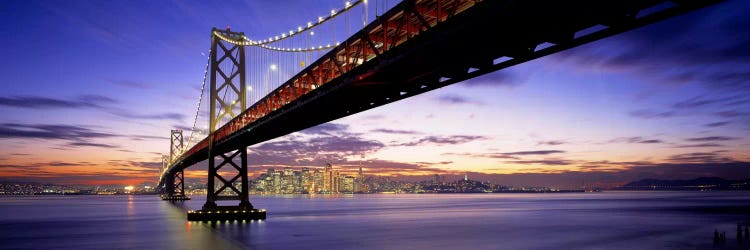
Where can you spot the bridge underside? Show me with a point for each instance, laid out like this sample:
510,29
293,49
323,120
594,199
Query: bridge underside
463,47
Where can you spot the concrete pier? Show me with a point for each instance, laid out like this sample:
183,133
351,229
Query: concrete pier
227,213
175,198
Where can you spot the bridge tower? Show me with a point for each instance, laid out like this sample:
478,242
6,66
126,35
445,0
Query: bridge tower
175,183
227,99
176,147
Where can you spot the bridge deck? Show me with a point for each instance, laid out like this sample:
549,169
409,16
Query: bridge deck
406,52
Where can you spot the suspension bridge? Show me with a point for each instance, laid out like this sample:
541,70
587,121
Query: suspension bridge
257,89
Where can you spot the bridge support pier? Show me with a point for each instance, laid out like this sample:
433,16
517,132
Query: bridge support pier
228,190
175,189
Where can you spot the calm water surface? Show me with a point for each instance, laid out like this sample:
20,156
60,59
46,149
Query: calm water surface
607,220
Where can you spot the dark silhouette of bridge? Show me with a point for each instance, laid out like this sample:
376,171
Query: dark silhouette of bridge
414,47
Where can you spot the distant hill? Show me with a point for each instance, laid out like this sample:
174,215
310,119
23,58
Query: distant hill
698,184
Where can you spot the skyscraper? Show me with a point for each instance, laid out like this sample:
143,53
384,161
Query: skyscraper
287,180
347,184
317,181
307,181
276,177
335,182
327,178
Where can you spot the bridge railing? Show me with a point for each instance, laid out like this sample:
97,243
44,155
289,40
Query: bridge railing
400,24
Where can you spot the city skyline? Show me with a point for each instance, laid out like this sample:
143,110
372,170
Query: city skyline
668,100
329,180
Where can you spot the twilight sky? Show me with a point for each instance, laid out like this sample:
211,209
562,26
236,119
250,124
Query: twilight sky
90,90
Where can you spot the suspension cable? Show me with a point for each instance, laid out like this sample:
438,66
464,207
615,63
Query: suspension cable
245,41
300,29
281,49
200,100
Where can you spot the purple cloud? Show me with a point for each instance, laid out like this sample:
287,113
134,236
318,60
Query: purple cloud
651,114
636,139
452,99
712,138
395,131
537,152
50,131
550,143
36,102
89,144
702,145
443,140
717,124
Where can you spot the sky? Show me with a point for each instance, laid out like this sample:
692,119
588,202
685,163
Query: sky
91,89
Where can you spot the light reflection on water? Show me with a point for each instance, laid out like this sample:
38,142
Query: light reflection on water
621,220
